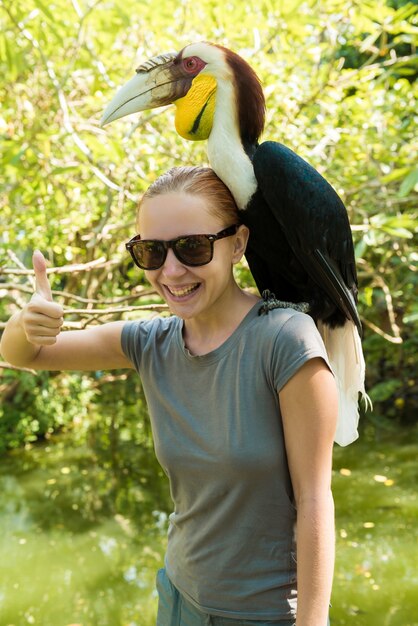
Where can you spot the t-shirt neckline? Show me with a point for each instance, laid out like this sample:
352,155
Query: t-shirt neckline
225,347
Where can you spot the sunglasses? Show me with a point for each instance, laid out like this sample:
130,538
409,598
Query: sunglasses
192,250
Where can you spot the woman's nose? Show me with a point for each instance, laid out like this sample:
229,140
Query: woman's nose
172,266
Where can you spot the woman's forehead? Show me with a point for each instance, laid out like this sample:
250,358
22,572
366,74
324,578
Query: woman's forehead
180,213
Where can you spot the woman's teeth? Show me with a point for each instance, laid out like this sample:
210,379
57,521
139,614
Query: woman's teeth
182,291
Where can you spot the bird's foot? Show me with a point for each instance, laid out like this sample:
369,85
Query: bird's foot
270,303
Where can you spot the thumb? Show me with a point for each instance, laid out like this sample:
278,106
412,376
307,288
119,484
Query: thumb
43,288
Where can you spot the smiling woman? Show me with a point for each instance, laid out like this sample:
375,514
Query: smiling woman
189,268
243,411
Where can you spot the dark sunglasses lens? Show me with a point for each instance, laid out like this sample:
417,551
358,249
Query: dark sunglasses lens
149,254
194,250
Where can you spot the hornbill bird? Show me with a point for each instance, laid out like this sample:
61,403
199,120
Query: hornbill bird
300,246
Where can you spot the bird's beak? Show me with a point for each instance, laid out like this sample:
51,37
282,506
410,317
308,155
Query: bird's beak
158,82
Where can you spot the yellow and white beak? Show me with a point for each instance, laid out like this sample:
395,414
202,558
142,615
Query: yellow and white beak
158,82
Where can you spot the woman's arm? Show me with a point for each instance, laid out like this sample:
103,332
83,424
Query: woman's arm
33,338
308,404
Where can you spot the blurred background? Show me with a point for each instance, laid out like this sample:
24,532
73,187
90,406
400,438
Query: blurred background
83,503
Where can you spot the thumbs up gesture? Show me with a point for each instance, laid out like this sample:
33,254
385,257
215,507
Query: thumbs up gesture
43,288
41,317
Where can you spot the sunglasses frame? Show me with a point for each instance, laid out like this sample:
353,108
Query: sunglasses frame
226,232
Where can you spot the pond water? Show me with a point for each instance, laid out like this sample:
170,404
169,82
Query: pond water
82,534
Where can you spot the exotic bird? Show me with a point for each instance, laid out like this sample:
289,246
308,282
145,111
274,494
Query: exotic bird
300,247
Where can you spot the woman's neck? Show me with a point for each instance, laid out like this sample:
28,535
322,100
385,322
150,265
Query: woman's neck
204,334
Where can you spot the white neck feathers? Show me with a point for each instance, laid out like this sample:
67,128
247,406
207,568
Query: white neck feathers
225,150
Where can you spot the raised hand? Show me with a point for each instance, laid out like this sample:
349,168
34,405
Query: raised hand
43,288
41,317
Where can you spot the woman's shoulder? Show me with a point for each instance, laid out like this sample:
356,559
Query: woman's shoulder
145,336
155,329
289,340
286,321
155,325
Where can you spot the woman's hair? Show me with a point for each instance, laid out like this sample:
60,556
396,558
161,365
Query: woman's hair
197,181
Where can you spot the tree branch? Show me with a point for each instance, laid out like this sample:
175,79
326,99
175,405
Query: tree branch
4,365
381,332
65,295
64,269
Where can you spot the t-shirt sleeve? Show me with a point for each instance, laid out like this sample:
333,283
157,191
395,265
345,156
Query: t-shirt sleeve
297,342
131,339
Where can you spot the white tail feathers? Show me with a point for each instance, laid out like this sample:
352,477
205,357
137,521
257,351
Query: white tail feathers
343,346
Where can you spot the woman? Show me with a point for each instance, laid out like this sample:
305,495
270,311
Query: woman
243,409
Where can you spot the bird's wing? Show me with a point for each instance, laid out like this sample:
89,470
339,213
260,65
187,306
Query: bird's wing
314,221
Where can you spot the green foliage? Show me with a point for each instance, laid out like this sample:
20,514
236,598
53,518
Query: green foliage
37,406
339,82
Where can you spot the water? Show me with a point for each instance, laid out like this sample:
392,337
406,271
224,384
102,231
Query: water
81,540
83,533
375,489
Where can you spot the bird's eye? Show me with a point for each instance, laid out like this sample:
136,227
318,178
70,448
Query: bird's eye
193,65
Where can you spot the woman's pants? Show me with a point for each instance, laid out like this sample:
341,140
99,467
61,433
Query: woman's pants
175,610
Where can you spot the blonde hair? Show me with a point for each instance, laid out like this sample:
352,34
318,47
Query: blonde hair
197,181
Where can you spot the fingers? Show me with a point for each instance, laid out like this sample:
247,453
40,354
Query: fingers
42,318
42,321
38,305
43,288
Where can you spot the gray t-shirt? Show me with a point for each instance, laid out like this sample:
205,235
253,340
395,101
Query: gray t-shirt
218,435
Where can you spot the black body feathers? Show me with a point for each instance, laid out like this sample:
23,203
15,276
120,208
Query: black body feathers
300,245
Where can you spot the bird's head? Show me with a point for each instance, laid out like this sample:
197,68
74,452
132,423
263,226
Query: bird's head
195,80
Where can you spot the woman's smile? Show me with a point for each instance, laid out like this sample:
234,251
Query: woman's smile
181,292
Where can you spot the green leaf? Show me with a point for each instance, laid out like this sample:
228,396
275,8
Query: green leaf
368,295
45,10
360,248
66,168
408,183
396,174
410,319
398,232
384,390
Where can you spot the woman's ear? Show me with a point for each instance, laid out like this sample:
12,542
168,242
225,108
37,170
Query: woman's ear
240,244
